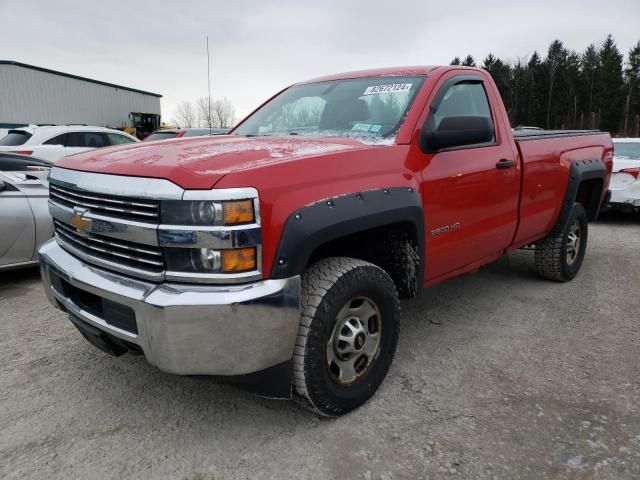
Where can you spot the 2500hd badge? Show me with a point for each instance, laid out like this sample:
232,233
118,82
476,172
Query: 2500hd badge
445,229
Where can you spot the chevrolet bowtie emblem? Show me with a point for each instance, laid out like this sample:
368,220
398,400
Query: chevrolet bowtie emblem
81,224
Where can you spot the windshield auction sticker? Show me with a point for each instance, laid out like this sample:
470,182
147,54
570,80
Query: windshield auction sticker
392,88
361,127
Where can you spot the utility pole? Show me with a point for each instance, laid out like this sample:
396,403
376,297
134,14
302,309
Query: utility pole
209,87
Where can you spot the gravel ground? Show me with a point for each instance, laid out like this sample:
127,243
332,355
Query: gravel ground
498,375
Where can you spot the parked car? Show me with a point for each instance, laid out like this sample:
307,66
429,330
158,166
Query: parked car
25,222
14,162
276,256
184,132
51,143
625,181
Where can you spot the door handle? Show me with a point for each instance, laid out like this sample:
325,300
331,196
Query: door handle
504,163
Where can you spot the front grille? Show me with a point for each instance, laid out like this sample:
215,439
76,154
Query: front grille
127,254
110,205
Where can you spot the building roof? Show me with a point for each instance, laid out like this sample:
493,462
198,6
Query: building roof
76,77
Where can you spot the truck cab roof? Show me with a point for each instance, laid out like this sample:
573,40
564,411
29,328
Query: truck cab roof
376,72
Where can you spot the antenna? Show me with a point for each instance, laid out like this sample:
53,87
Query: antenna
209,86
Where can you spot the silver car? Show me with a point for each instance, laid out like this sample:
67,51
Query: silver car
25,222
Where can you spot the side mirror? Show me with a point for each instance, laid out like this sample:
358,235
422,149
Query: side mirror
2,185
456,132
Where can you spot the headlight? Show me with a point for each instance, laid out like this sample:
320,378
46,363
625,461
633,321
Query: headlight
212,236
207,212
208,260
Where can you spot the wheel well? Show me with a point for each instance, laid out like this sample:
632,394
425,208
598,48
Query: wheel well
589,194
394,248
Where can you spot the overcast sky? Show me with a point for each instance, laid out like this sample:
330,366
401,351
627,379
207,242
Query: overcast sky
259,47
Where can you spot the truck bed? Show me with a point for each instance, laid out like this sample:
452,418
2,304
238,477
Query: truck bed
546,163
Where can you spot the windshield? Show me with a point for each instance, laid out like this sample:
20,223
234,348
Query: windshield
629,151
161,136
196,132
15,138
369,109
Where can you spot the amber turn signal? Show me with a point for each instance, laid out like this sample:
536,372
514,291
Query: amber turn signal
239,260
238,212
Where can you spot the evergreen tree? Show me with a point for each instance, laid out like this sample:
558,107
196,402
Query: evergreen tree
469,61
589,68
501,74
609,86
567,89
632,103
534,70
554,66
519,87
572,82
489,62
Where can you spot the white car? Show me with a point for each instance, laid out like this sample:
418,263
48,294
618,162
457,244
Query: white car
625,181
51,143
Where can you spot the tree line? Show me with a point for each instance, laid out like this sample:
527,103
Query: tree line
594,89
205,112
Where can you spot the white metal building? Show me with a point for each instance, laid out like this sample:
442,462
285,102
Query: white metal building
35,95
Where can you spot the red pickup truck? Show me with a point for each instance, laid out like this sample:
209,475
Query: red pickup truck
275,256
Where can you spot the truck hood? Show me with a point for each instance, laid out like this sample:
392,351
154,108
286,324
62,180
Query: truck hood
199,163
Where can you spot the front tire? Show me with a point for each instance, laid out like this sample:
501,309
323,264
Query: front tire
560,257
347,336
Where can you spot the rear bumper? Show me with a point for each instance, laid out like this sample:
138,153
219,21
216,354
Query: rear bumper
625,198
625,192
183,329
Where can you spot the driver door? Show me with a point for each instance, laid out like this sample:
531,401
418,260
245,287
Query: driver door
470,192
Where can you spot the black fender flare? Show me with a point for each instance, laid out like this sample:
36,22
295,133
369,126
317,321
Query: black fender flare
318,223
580,171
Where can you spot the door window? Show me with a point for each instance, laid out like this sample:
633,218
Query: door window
86,140
463,99
117,139
57,140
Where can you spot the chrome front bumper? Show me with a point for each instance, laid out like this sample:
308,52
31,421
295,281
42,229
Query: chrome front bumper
186,329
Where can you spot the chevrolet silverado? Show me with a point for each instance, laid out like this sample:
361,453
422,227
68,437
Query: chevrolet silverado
275,256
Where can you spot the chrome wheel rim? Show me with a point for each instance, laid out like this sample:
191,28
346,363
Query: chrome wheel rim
573,242
355,340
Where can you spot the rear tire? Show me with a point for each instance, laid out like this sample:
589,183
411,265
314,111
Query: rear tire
347,336
560,257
